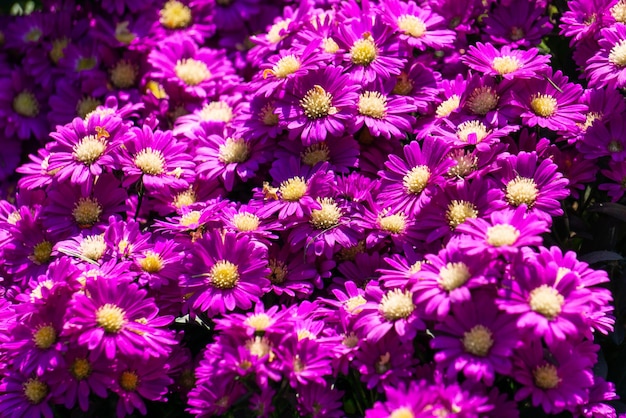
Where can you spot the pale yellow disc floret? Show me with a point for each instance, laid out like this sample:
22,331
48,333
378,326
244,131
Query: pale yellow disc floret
546,377
505,64
364,50
448,106
412,25
502,234
394,223
246,221
619,11
478,340
403,412
373,104
151,262
175,15
191,71
522,190
224,275
35,390
476,127
285,66
317,103
93,247
81,368
482,100
546,301
315,153
124,74
396,304
111,318
44,337
26,104
454,275
150,161
415,181
543,105
274,34
89,149
293,189
460,210
218,111
235,150
87,211
326,217
260,321
617,56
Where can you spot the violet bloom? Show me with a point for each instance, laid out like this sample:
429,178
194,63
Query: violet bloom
198,72
189,18
159,264
520,24
69,209
156,158
419,27
319,401
557,379
341,153
290,275
25,396
386,310
477,340
304,360
408,183
114,316
551,103
22,108
526,180
319,105
616,173
605,139
227,272
505,233
584,19
447,278
507,62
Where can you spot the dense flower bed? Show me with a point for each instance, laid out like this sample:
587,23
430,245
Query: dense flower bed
319,208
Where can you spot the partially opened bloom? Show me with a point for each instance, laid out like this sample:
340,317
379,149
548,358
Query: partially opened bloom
227,272
114,316
507,62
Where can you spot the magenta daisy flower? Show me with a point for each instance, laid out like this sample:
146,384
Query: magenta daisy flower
507,62
25,396
341,153
605,139
156,158
447,279
518,24
477,340
159,264
114,316
584,19
290,275
385,310
69,209
526,180
229,271
304,361
505,232
189,18
408,183
419,27
250,221
183,67
319,105
552,103
557,379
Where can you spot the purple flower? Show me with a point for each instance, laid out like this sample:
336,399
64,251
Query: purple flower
519,24
508,63
25,396
22,108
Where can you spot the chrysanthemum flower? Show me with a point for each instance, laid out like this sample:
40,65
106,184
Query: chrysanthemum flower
156,158
519,24
419,27
507,62
198,72
505,232
557,379
114,316
227,272
551,103
319,105
476,339
408,183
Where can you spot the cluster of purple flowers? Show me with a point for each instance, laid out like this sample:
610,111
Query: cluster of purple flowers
316,208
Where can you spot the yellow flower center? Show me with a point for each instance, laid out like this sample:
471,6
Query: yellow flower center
274,35
259,347
619,11
186,198
123,34
278,271
93,247
466,163
44,337
505,64
111,318
123,75
268,116
317,103
460,210
615,146
416,180
543,105
453,276
288,64
33,35
80,369
478,340
246,221
617,56
394,224
26,104
448,106
412,25
224,275
89,149
35,391
382,365
417,267
87,212
175,15
293,189
364,50
58,49
42,252
219,111
315,153
37,291
353,304
129,380
150,161
259,322
482,100
152,262
86,105
404,85
546,377
86,63
235,150
502,234
403,412
476,127
190,218
350,253
191,72
351,340
373,104
521,190
330,46
396,304
546,301
326,217
156,89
